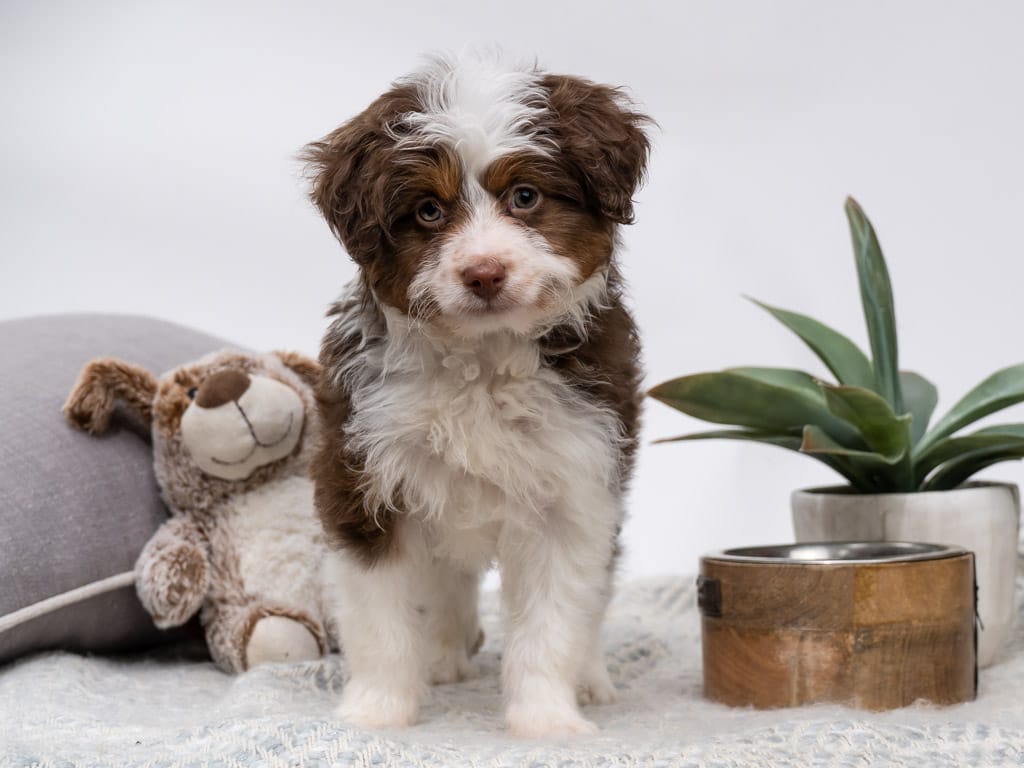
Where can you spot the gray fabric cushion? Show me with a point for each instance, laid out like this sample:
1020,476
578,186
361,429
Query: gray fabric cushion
76,509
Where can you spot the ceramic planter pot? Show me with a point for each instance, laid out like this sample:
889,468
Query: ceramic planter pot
980,517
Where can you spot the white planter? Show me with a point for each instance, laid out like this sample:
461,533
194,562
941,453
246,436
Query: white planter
980,517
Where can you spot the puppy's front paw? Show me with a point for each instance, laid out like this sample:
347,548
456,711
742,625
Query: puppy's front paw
536,723
452,666
595,687
372,707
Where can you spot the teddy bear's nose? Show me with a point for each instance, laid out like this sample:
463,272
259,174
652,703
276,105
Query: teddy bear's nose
222,387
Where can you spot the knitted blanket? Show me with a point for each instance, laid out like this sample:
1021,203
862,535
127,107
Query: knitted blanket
166,709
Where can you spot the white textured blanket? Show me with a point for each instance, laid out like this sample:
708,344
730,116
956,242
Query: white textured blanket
65,710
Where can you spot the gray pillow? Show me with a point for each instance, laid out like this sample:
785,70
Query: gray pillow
76,510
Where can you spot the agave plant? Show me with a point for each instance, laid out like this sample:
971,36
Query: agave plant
871,424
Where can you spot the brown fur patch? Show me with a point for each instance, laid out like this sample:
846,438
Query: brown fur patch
603,139
338,474
350,168
575,230
368,191
605,365
101,386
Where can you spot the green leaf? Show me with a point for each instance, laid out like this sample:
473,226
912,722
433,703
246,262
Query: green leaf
919,397
886,434
1009,430
789,378
879,311
840,355
983,442
961,469
790,442
867,470
769,400
1000,390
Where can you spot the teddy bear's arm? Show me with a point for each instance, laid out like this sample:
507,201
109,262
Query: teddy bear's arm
172,575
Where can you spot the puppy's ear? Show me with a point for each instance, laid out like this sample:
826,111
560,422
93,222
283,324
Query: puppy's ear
307,368
349,170
104,384
603,138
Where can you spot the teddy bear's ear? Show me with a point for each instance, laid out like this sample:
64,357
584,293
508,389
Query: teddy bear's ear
307,368
104,384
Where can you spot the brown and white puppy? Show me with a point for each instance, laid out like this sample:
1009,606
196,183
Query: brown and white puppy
480,390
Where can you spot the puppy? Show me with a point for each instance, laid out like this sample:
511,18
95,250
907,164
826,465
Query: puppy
480,395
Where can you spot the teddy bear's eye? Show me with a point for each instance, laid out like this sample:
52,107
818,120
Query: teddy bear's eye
192,393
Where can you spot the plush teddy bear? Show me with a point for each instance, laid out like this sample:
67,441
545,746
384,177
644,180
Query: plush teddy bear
232,437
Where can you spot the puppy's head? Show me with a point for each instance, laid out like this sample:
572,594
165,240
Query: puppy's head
479,196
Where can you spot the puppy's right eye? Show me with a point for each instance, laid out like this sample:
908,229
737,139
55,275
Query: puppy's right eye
429,213
192,393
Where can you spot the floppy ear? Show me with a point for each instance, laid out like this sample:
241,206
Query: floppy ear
102,385
349,169
307,368
603,138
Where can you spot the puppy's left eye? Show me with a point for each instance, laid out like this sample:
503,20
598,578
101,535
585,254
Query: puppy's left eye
192,393
524,198
430,213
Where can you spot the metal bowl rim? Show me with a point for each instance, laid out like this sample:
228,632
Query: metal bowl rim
915,552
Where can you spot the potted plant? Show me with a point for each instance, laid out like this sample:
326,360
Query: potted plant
904,480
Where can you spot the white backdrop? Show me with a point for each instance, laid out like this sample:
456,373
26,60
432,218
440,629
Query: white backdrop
148,166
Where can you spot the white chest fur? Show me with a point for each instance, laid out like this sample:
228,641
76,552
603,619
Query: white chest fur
279,541
470,437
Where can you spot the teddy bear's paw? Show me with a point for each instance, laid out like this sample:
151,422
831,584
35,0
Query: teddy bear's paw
376,707
172,578
280,639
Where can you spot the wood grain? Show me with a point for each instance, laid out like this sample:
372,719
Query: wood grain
874,636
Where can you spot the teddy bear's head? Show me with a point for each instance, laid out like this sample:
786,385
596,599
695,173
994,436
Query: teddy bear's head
222,424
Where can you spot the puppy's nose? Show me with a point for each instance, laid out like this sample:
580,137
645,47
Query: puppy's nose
485,279
222,387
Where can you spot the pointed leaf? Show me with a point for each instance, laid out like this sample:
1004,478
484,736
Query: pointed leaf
840,355
816,440
792,442
959,470
1010,430
919,397
879,311
865,469
790,378
954,448
741,399
885,433
1000,390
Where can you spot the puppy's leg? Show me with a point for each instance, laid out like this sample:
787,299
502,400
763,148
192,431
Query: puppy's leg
453,626
594,685
380,623
554,590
